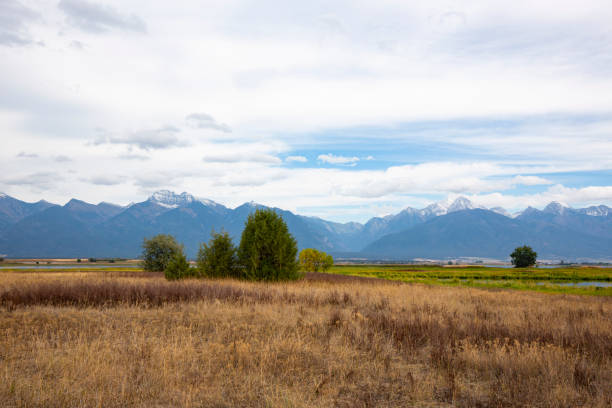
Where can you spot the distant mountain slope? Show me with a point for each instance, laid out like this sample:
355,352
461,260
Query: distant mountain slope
577,220
54,232
440,230
90,213
486,234
13,210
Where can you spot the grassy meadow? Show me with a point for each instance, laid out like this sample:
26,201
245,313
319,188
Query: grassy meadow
117,338
567,280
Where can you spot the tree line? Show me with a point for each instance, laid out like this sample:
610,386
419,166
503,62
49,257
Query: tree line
267,252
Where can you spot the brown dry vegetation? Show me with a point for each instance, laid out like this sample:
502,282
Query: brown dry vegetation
132,339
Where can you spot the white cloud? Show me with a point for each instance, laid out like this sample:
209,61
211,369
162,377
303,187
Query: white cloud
530,180
333,159
160,138
98,18
576,197
285,73
299,159
205,121
25,155
105,180
241,157
62,158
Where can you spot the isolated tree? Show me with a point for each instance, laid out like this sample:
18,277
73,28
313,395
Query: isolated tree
157,252
218,258
523,257
312,260
267,250
178,267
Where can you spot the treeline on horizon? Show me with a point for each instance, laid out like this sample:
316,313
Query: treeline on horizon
267,252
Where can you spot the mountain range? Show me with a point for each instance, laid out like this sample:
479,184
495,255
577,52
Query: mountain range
443,230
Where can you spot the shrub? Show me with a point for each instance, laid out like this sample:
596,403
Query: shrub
523,257
267,249
178,267
158,251
218,258
312,260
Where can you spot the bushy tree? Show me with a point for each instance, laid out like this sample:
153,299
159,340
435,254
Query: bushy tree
178,267
218,258
329,262
312,260
267,250
523,257
157,252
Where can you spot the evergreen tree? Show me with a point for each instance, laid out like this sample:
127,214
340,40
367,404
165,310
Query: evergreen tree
267,250
178,267
218,258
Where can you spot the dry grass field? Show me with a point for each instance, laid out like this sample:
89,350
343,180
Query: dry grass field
117,339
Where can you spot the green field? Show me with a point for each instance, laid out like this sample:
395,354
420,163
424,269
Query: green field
578,280
554,280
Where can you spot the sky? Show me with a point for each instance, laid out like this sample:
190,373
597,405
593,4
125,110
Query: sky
339,109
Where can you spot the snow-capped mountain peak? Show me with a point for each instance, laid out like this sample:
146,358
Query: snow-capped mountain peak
556,207
409,210
501,211
2,195
169,199
597,210
461,203
434,209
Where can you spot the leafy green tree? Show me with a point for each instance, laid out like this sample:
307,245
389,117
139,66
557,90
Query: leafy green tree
312,260
157,252
178,267
218,258
328,262
523,257
267,250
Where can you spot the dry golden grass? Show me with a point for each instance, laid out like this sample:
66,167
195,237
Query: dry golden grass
132,339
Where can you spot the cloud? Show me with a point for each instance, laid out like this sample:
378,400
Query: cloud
14,17
99,18
476,82
530,180
300,159
239,157
27,155
62,159
205,121
581,196
369,158
161,138
77,45
432,178
159,179
104,180
39,180
129,156
333,159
